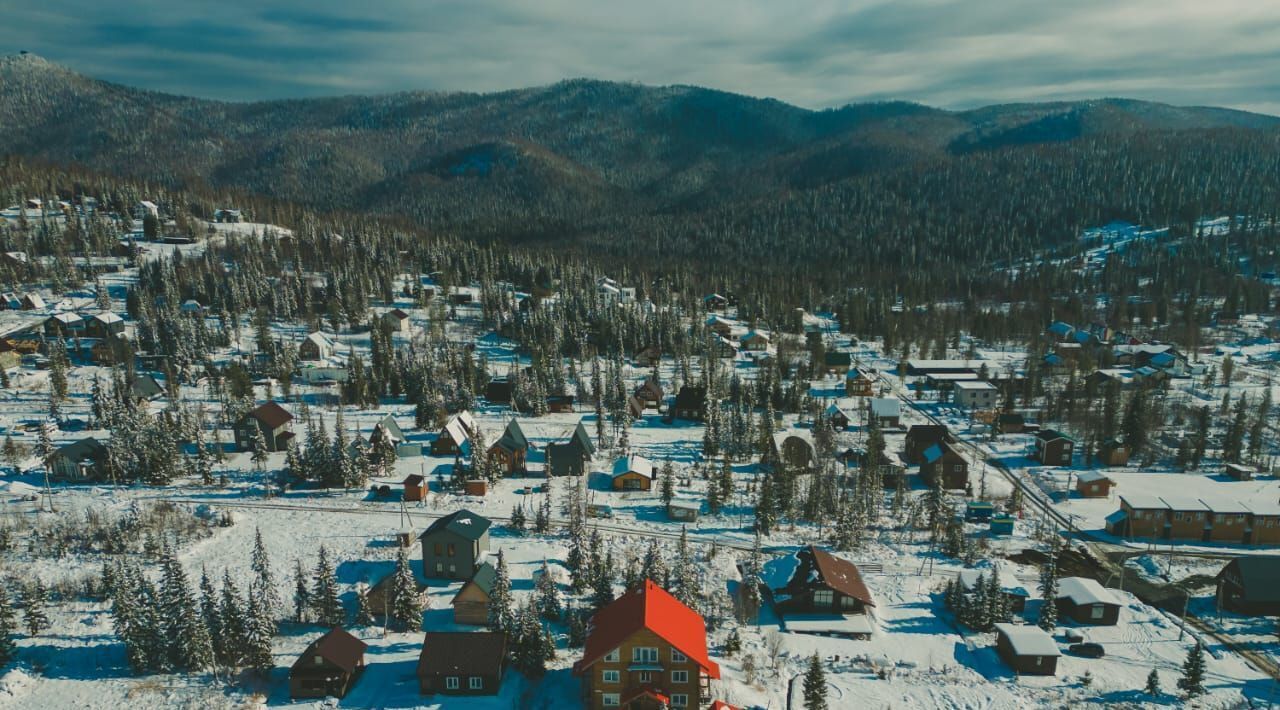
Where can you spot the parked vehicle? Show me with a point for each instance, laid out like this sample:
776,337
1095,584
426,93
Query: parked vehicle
1087,650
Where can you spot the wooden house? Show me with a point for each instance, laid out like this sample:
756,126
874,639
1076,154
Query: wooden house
885,412
453,546
837,417
1027,649
1239,472
632,473
715,302
328,667
835,361
477,487
560,403
462,662
32,301
822,582
81,460
754,341
858,384
690,403
275,423
415,487
64,325
381,596
316,346
646,649
144,388
649,356
570,458
471,603
921,437
650,392
456,435
1092,484
1010,423
104,325
944,460
398,321
1084,601
1053,448
1250,585
511,450
1114,452
498,391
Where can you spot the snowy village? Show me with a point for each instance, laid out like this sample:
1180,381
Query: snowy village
235,479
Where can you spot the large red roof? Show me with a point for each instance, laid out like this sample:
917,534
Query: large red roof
651,607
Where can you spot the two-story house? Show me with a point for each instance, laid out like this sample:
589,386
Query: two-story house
644,651
454,545
275,423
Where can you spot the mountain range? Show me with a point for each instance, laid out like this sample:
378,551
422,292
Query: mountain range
542,163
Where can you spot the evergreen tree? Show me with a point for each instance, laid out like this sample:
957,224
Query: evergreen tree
1153,684
260,628
1192,680
190,647
406,614
654,567
1048,619
815,685
212,618
364,614
501,611
546,596
264,583
259,455
8,627
326,605
684,581
517,518
235,627
529,648
301,593
35,600
666,483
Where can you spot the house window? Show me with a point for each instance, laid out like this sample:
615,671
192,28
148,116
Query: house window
1096,612
611,677
612,656
439,567
1039,660
453,569
679,700
823,597
958,468
679,676
678,657
611,700
644,654
452,550
451,683
439,549
475,682
645,677
848,603
318,660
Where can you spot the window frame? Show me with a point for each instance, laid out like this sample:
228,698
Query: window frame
452,682
475,682
677,656
644,654
610,676
613,656
611,700
679,700
824,598
674,679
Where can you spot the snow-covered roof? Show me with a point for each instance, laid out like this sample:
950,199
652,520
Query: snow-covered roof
886,407
974,385
633,464
1092,476
1082,591
1026,640
1142,501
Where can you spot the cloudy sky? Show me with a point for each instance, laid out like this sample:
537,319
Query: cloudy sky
814,53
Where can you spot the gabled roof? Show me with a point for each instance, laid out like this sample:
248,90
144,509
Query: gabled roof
839,574
582,440
462,653
87,448
397,313
885,407
1093,476
1028,640
483,579
650,607
1082,590
145,386
107,317
1047,435
462,522
1259,576
413,479
633,464
271,414
513,438
321,340
339,648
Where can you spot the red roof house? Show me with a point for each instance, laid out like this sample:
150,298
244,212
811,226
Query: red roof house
646,646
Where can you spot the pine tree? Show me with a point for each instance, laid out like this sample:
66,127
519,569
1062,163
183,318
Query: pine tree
325,602
8,627
235,627
259,455
501,611
190,647
1153,684
815,685
264,584
212,618
35,616
301,593
666,483
259,630
1048,619
529,652
684,582
546,596
406,614
364,614
517,518
1192,680
542,519
654,567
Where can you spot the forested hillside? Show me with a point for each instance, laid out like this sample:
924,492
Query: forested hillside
897,197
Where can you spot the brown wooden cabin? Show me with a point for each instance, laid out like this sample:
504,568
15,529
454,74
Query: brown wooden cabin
328,667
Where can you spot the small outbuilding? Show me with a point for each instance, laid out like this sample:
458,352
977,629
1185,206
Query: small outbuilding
1084,601
1093,484
1027,649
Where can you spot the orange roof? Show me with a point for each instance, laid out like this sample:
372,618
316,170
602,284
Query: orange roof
650,607
722,705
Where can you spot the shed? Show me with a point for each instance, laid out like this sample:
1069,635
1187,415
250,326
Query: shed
415,487
1027,649
1239,472
1001,525
1093,484
979,511
1085,601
